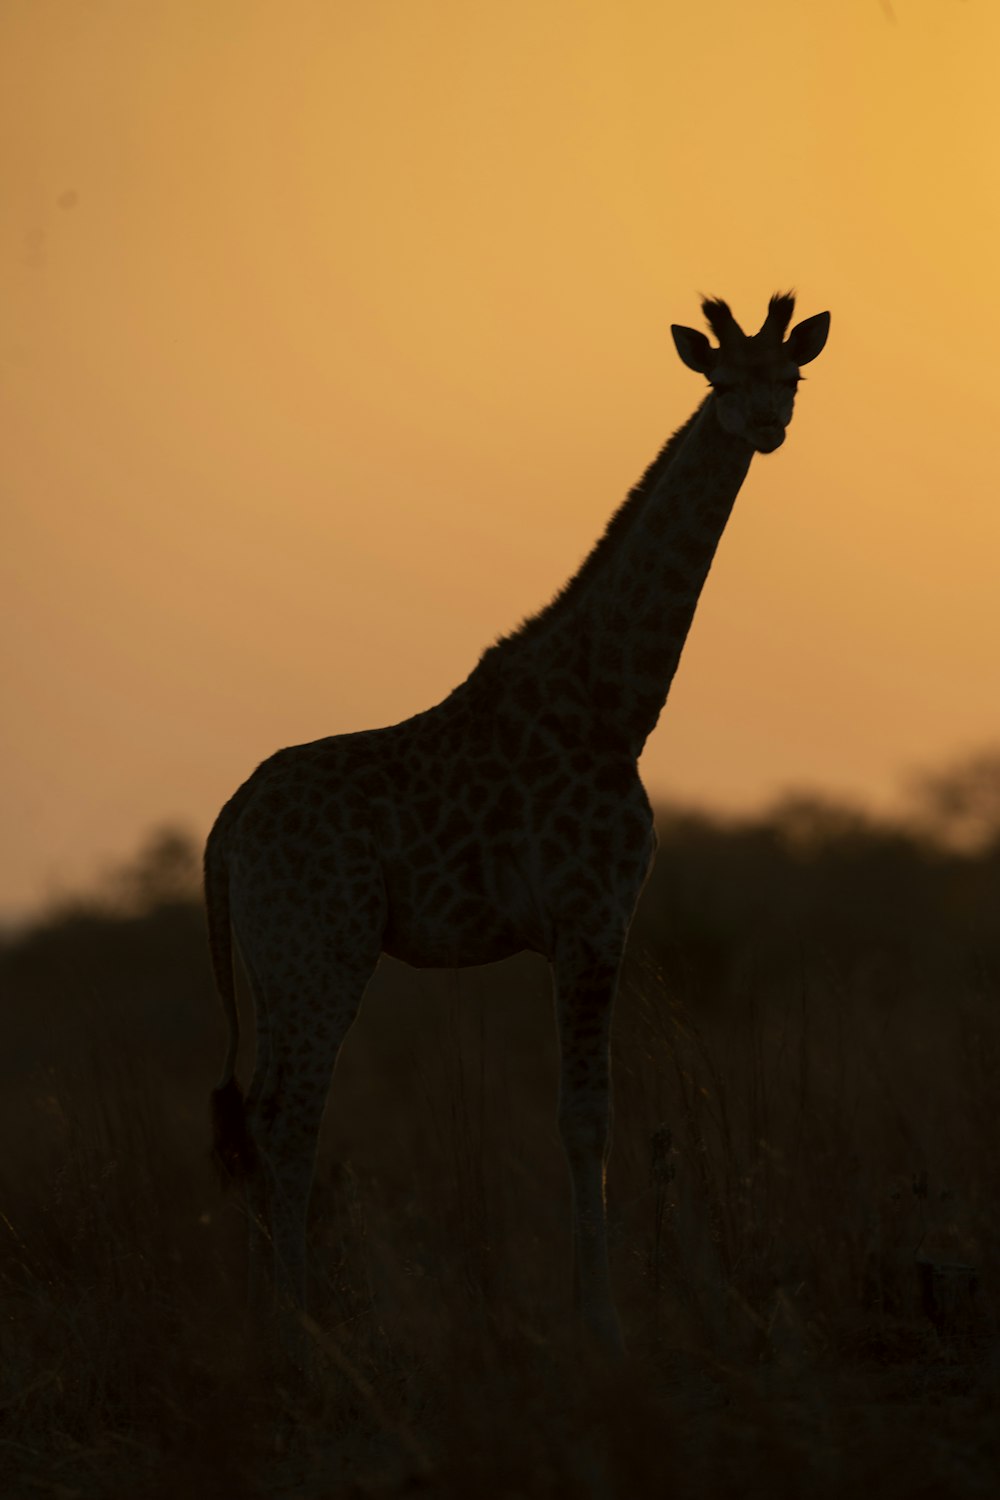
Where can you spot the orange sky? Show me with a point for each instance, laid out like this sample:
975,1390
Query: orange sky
334,330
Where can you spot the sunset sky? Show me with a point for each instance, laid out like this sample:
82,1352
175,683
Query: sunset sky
334,330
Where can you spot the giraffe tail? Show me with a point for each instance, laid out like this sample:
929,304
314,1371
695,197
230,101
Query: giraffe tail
233,1153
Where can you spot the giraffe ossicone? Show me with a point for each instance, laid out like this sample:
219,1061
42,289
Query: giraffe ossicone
508,817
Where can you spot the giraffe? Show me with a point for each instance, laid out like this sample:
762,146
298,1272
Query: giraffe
508,817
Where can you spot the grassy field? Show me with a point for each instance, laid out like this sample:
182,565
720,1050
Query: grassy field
804,1199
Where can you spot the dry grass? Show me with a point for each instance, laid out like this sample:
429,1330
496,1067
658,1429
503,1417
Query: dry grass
805,1210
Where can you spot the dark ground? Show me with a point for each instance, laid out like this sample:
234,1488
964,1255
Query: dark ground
804,1199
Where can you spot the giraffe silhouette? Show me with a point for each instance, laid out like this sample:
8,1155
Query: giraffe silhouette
508,817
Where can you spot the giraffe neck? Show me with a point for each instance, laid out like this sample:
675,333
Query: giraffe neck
603,653
637,616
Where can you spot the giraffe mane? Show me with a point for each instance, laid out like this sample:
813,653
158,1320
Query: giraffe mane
605,546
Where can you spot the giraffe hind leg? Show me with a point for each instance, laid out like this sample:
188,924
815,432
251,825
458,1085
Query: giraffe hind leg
299,1037
260,1280
232,1149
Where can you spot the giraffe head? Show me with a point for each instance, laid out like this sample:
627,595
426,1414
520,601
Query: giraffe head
753,377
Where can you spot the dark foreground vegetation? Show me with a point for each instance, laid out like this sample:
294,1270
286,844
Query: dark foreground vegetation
804,1197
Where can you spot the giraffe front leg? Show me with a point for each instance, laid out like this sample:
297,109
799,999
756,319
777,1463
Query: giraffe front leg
586,981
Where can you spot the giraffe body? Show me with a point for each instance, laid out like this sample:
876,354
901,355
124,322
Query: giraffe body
459,842
509,817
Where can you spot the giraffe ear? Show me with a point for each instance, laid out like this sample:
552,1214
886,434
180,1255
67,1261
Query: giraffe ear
807,338
693,348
